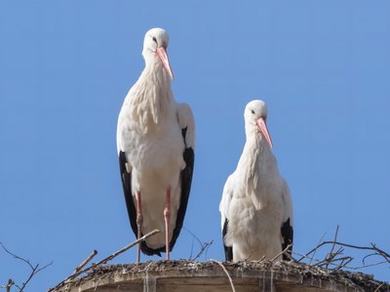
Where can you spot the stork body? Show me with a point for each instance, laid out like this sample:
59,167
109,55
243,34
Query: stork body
256,210
155,142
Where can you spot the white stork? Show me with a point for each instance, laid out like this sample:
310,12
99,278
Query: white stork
256,210
155,143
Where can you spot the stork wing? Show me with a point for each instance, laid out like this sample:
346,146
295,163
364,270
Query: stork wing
187,125
224,210
287,235
286,229
126,183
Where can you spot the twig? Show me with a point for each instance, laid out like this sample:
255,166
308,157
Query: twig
107,259
7,287
193,235
192,248
367,266
334,259
335,239
381,252
367,256
34,270
29,278
373,247
379,287
127,247
192,244
16,257
281,253
227,273
326,262
331,264
204,247
314,253
85,262
331,255
344,262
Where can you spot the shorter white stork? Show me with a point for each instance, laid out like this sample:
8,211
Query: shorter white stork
256,209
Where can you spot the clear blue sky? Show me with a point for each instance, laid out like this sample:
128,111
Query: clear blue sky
65,67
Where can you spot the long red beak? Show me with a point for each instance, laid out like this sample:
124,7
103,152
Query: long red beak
264,131
164,59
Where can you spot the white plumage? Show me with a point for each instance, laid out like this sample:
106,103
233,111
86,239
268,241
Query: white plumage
256,209
155,142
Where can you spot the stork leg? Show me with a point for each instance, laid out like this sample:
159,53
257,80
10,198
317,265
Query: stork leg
139,224
167,214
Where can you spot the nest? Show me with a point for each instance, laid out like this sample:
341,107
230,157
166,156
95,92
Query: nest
297,273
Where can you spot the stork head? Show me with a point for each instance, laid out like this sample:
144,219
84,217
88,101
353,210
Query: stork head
256,120
155,46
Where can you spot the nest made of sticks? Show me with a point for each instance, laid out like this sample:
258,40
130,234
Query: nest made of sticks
297,270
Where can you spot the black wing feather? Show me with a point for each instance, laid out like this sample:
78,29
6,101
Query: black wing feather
228,249
126,183
185,179
288,235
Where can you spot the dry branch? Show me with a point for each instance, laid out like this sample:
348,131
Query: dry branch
332,255
314,253
373,247
105,260
85,262
35,269
283,252
336,258
204,246
127,247
227,274
8,286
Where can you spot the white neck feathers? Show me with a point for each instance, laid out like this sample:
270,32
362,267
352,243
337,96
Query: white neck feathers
153,97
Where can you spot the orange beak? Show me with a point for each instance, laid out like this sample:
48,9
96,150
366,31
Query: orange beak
162,53
264,131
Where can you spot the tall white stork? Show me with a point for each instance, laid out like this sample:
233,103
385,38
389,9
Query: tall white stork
256,210
155,143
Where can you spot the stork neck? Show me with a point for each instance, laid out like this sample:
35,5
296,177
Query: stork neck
256,164
255,146
155,68
152,96
253,137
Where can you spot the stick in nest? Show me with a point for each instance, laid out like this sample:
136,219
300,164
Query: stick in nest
226,272
105,260
335,256
373,247
204,246
85,262
281,253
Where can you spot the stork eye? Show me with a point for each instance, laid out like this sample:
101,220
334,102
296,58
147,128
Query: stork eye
252,111
155,40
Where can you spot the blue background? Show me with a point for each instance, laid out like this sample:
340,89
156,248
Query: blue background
65,67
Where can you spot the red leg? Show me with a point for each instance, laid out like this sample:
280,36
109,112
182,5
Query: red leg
167,214
139,223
